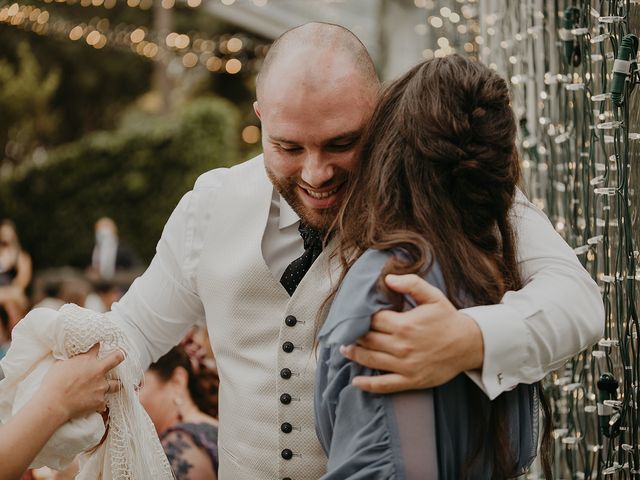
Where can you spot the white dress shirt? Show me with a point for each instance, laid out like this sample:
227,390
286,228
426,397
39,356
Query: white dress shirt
533,331
281,243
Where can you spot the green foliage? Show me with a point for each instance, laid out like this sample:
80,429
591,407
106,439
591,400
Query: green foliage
26,93
136,175
92,86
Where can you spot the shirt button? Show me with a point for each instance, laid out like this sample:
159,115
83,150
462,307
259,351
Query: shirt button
288,347
290,320
286,427
286,454
285,373
285,398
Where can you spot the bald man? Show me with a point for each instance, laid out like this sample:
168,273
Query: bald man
240,253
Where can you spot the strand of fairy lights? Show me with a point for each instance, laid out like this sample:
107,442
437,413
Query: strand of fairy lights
455,23
577,163
215,54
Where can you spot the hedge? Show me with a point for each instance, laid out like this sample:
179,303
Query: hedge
136,175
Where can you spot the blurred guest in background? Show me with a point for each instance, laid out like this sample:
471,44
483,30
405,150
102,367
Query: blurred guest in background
15,263
75,290
176,398
104,295
198,346
109,253
48,293
13,307
65,285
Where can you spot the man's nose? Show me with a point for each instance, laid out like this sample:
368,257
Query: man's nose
317,169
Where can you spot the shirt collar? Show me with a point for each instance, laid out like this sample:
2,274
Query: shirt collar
288,216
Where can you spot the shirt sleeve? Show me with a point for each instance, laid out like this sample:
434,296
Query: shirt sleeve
557,313
163,303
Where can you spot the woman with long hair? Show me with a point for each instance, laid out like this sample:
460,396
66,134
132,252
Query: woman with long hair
15,263
181,399
431,196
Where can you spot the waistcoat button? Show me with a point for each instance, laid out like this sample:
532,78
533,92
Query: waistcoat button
290,320
286,454
285,398
285,373
288,347
286,427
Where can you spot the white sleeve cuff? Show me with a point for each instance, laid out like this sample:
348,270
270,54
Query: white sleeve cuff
506,341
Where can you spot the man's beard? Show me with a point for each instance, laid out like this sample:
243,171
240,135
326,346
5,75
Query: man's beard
320,219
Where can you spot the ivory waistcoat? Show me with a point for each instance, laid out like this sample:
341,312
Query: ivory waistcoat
251,318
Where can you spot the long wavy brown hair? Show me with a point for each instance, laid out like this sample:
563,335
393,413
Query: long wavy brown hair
437,177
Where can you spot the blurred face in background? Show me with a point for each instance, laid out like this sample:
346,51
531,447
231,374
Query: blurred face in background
9,247
105,228
8,235
13,307
159,397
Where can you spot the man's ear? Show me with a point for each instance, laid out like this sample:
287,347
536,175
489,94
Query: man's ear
256,108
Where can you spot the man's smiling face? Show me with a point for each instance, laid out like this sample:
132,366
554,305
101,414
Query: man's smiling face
311,135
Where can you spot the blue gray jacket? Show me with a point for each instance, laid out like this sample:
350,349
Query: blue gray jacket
425,434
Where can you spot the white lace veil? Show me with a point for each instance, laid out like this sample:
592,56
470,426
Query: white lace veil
131,450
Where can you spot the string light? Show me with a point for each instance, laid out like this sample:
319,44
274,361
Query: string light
436,22
192,51
421,29
139,4
234,45
576,152
251,134
233,66
447,22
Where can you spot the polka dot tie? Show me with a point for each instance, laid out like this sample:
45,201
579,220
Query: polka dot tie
297,269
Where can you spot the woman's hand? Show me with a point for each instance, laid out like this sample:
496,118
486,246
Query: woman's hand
80,385
70,388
